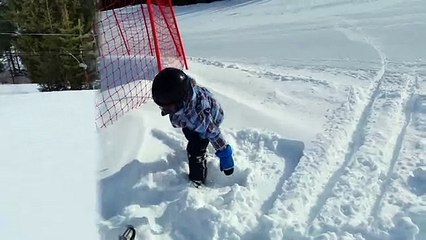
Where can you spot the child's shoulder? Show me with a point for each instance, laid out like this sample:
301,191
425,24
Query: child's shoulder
202,90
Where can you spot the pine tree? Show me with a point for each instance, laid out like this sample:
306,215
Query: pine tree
5,27
78,47
56,37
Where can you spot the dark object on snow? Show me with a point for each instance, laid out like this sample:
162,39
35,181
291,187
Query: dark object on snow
129,234
228,171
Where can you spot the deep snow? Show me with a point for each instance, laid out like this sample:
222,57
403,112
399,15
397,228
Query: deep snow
325,105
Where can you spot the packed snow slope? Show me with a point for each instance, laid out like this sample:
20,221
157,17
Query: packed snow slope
48,150
325,105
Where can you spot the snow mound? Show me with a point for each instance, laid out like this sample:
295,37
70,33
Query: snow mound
158,200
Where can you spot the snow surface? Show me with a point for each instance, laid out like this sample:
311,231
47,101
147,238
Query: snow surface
325,105
48,152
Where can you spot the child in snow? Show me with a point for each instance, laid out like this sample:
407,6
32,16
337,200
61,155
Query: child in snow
194,109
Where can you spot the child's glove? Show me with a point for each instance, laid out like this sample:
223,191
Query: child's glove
226,160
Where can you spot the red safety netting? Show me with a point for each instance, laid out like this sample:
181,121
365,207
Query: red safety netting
135,41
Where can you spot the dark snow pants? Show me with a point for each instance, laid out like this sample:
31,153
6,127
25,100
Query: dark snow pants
196,150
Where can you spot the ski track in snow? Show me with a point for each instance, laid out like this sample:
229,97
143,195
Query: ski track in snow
322,166
388,105
270,72
340,207
262,73
367,161
406,178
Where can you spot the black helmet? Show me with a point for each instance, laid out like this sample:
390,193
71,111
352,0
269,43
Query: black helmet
171,86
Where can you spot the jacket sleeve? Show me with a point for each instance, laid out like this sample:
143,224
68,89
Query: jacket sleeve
208,129
208,118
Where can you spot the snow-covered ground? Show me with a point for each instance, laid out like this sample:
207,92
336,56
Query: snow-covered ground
48,151
325,105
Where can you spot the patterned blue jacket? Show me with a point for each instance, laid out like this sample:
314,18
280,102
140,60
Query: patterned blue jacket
202,114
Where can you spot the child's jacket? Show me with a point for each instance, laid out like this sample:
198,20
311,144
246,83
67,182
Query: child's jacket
202,114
